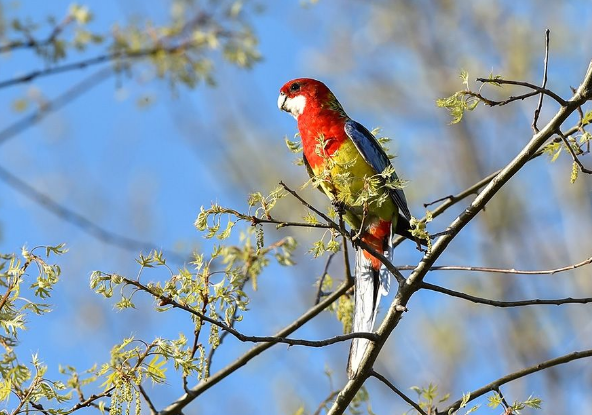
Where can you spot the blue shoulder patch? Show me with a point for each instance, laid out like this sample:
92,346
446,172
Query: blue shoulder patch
374,155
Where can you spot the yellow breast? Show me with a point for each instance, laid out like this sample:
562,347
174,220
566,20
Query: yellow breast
346,177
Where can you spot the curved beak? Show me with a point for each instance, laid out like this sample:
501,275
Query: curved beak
282,101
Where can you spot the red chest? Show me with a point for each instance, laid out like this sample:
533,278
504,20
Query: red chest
322,135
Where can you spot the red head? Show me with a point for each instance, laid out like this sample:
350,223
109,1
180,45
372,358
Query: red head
305,95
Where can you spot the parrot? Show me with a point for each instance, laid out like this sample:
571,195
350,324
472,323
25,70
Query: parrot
344,158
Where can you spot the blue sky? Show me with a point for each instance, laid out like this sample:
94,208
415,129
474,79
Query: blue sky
145,172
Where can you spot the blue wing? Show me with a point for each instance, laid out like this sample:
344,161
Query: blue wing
375,156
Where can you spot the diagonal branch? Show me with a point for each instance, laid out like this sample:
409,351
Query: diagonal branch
78,220
204,385
47,108
534,87
96,60
164,301
413,283
398,392
517,375
504,304
573,153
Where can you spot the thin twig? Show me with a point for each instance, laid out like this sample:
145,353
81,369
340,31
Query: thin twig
322,279
204,385
33,43
89,401
80,221
414,281
48,107
398,392
164,300
153,410
501,270
305,203
96,60
475,188
504,304
492,103
536,88
323,404
517,375
501,395
573,153
537,111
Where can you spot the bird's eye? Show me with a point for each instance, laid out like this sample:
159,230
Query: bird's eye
295,87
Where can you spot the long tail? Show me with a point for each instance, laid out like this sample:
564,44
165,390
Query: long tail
371,282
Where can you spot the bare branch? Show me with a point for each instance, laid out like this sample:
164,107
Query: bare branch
537,111
81,221
89,401
492,103
517,375
413,283
573,154
324,403
536,88
495,303
501,270
48,107
305,203
164,300
153,410
322,279
398,392
204,385
97,60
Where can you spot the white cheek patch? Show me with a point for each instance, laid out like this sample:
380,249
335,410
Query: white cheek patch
295,106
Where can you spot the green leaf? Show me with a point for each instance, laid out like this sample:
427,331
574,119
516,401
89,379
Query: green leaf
81,14
5,388
464,75
293,146
494,400
473,409
587,119
465,399
533,402
155,369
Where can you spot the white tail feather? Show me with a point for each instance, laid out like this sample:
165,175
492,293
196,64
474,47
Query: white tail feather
366,299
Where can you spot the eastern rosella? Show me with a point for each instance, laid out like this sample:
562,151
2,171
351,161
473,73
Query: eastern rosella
345,159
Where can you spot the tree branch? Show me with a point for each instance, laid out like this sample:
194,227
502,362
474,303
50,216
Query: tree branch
47,108
322,279
536,88
153,410
164,300
496,303
502,270
413,283
85,63
537,111
573,154
398,392
517,375
206,384
78,220
451,200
